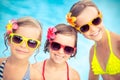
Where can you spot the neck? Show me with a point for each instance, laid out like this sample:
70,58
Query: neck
14,61
104,40
54,65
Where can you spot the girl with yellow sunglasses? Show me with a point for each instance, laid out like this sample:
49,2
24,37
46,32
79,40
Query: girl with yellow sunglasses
86,18
23,37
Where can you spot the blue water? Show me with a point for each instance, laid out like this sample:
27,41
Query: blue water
52,12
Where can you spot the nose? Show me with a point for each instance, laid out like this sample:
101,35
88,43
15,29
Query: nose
92,28
23,44
61,50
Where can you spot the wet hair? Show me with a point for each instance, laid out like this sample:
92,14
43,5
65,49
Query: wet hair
78,7
22,22
65,30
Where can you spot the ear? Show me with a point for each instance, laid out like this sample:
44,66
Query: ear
72,55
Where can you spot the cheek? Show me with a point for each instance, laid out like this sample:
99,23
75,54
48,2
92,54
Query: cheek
52,51
12,48
67,56
86,35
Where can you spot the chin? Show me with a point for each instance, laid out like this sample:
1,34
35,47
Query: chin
99,36
98,39
57,61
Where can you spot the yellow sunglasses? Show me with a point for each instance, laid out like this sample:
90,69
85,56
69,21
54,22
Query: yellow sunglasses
95,21
18,39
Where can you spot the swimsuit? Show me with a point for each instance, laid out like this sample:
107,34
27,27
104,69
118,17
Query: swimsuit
43,71
113,64
26,76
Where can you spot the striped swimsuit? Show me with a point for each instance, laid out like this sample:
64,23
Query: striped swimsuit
26,76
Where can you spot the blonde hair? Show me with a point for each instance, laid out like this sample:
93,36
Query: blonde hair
22,22
30,21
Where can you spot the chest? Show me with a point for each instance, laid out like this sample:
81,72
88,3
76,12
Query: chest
55,75
106,54
13,73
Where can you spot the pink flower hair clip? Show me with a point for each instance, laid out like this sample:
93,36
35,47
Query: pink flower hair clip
11,25
51,33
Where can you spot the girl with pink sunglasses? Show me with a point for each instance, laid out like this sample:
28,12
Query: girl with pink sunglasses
61,44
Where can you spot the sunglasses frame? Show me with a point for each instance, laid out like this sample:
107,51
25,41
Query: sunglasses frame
62,46
24,39
90,23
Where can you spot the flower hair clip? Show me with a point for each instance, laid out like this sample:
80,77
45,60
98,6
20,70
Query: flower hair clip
51,33
11,25
71,19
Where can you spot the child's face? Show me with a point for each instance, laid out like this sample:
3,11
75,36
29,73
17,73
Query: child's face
90,23
23,50
63,41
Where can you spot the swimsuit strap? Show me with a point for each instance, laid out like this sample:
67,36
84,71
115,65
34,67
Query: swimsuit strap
109,42
67,71
43,70
27,74
2,68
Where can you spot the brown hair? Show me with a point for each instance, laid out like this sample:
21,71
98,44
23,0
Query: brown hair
78,7
65,30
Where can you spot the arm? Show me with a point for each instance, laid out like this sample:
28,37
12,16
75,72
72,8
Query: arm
119,44
91,74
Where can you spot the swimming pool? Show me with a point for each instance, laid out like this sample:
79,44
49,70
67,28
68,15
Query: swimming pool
52,12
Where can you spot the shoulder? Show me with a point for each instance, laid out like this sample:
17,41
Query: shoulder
115,36
116,40
38,65
74,75
35,74
2,59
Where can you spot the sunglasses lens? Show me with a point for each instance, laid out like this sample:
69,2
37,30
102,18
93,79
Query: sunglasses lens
96,21
17,39
84,28
69,50
55,46
32,43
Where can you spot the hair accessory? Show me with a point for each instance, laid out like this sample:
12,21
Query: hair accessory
71,19
51,33
11,25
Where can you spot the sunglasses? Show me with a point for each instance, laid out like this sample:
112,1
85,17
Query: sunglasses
96,21
18,39
57,46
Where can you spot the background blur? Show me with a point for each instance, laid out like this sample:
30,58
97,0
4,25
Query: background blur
51,13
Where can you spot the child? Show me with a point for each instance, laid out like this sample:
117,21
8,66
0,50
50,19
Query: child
23,37
61,43
86,18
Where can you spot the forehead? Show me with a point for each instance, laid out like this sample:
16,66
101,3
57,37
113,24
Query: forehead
65,39
87,14
28,31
